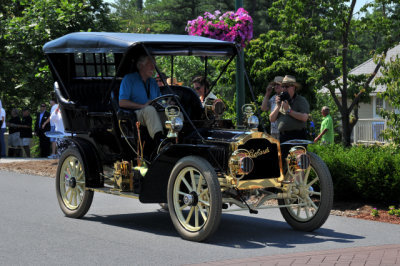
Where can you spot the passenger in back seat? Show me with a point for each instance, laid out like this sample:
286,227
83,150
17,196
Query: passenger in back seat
136,92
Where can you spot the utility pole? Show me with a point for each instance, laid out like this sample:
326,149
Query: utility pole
240,95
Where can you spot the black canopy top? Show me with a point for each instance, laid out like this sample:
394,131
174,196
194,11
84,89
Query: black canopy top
158,44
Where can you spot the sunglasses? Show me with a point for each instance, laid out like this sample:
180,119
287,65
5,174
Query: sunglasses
43,106
286,86
197,88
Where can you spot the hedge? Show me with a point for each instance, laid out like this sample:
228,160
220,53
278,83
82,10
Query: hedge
365,173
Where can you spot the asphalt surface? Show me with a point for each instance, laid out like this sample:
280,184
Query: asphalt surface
123,231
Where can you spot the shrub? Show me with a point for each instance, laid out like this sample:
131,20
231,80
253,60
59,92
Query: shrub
370,173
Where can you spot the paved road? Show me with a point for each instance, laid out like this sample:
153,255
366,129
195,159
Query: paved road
123,231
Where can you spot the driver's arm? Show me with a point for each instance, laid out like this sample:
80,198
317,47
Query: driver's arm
123,103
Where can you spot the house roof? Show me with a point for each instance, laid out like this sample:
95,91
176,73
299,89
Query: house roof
368,67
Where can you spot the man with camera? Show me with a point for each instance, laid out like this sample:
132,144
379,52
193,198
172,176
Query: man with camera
270,103
291,111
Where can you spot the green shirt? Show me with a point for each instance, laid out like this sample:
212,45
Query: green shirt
327,123
288,123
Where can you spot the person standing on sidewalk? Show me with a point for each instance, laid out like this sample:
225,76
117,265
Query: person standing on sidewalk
26,131
2,131
270,103
326,132
56,118
291,113
14,131
53,141
44,142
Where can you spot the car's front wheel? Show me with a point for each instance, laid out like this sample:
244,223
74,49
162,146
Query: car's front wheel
314,201
72,195
194,198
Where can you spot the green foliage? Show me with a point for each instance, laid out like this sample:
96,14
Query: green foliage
315,42
171,16
35,149
185,67
188,67
370,173
25,27
374,212
391,79
394,211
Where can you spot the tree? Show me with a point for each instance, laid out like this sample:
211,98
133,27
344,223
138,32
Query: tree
391,79
161,16
315,41
26,26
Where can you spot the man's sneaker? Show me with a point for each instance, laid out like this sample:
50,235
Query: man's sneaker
52,156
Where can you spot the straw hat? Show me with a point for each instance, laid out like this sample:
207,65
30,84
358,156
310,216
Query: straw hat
288,79
277,80
175,82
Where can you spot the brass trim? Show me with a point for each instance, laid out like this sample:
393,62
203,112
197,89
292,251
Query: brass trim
258,183
246,136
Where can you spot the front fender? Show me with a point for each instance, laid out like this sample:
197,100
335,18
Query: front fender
154,187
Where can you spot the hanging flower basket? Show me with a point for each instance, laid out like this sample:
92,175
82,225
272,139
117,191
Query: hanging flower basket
231,26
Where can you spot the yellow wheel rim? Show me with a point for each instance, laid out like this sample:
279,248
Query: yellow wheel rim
310,196
72,182
191,198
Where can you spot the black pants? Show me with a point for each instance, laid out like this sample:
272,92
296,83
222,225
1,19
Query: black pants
44,144
289,135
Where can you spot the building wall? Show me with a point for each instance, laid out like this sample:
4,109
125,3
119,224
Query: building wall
365,111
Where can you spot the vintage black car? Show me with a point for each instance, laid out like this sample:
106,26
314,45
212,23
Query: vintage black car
203,168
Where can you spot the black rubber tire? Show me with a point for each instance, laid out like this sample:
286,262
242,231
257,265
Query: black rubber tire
326,200
86,202
215,198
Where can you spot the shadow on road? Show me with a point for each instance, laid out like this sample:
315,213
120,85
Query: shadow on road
235,231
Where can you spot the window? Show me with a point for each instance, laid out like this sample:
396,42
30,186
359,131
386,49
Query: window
379,105
94,65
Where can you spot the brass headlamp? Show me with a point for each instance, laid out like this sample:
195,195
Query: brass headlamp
174,123
214,107
240,163
251,121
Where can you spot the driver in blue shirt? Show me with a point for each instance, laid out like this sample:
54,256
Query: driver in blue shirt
136,92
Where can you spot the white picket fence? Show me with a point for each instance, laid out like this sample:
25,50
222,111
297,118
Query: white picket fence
369,130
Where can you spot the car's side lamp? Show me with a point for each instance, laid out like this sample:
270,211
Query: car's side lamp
250,120
174,123
214,107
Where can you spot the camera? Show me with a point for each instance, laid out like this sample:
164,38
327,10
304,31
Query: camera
284,96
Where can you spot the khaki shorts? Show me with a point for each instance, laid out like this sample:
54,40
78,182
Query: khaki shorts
14,140
26,141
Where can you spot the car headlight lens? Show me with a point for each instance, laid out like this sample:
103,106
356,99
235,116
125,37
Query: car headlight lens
176,124
241,164
246,165
253,122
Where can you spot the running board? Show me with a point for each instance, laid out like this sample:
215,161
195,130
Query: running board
113,191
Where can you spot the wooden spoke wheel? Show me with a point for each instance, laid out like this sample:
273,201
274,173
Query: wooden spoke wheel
315,197
72,195
194,198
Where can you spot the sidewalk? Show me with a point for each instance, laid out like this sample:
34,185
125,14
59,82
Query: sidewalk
372,255
14,159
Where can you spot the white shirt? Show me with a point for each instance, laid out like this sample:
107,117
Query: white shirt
210,96
56,118
53,108
3,116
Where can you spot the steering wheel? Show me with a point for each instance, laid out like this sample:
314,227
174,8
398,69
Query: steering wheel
163,101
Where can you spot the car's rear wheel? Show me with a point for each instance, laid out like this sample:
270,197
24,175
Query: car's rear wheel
315,194
194,198
72,195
